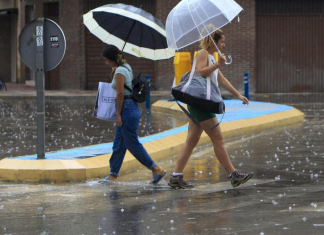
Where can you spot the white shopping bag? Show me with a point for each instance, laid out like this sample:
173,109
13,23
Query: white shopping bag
105,107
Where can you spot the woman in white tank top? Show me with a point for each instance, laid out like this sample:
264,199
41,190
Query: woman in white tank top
206,66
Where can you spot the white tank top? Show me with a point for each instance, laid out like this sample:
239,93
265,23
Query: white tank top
213,76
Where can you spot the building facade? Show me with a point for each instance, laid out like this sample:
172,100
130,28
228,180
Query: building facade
266,43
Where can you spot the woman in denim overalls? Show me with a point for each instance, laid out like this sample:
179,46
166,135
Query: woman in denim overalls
128,117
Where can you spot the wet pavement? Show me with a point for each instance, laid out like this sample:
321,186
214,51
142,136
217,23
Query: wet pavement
69,124
285,195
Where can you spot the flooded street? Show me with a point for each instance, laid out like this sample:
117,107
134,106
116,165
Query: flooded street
285,195
69,124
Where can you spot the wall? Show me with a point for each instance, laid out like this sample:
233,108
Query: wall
291,58
5,55
13,47
72,67
164,68
240,43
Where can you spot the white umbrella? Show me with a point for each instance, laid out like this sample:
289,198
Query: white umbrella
192,20
131,29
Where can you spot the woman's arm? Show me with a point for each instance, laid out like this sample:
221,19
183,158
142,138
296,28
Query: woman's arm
223,82
202,67
120,81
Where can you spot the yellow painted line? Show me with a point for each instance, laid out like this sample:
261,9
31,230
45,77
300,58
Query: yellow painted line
98,167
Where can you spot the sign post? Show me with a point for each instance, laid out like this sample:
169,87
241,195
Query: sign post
40,89
41,47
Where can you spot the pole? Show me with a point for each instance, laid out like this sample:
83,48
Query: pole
246,85
40,89
148,98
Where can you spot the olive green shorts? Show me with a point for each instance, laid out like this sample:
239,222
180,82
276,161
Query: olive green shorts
199,114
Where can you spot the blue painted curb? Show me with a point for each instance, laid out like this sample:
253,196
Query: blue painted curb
235,111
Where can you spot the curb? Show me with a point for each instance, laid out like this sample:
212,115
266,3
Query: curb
98,167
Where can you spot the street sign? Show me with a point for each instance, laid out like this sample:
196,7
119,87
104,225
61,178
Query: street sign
41,47
54,44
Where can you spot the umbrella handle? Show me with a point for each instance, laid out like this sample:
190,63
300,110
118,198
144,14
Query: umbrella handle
229,57
219,53
230,60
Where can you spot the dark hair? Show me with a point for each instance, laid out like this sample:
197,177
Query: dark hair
111,52
218,35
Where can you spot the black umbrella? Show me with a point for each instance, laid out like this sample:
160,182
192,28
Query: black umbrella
131,29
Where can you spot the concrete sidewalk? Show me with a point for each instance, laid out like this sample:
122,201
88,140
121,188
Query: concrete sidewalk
91,162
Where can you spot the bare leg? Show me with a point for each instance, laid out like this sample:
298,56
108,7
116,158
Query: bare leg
156,170
194,133
217,139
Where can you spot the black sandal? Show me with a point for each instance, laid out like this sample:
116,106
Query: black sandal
156,178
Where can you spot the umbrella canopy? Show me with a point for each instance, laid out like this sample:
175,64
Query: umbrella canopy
131,29
192,20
